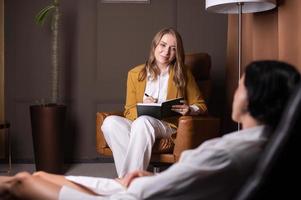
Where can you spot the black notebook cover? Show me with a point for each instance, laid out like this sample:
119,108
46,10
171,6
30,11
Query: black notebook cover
159,110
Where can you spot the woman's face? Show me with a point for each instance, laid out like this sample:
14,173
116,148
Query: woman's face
240,101
165,51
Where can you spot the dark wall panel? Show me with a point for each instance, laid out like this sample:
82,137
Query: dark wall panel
124,35
203,31
27,69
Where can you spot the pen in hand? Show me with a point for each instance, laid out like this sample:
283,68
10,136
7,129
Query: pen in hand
150,99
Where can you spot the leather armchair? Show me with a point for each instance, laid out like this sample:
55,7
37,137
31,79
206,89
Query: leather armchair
192,130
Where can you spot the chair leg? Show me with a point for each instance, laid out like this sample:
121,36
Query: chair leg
156,169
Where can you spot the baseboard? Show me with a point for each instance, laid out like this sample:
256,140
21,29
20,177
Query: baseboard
67,160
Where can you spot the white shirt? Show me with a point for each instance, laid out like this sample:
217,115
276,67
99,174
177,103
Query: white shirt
157,88
214,170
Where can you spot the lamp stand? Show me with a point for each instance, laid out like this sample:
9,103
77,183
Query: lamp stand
239,4
239,38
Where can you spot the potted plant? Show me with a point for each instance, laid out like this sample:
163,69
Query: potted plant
48,118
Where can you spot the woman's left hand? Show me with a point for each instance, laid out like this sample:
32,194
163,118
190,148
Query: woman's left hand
183,109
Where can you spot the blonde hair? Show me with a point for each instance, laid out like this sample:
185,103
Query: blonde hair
177,65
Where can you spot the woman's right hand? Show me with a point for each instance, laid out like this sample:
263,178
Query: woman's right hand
150,99
128,178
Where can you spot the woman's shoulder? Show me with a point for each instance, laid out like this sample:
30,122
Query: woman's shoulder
188,71
136,69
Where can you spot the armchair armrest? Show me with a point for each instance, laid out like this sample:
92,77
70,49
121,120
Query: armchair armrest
194,130
101,144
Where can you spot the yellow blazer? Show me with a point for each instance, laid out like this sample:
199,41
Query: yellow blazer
135,92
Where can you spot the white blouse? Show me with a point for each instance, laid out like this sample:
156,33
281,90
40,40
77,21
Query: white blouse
157,88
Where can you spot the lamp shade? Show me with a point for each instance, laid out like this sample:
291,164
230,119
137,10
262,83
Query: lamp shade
230,6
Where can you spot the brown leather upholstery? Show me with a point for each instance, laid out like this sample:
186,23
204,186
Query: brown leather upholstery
192,130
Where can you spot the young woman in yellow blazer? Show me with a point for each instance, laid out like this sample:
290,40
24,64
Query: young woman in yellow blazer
161,78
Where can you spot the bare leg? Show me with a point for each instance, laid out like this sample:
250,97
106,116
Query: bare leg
39,186
60,181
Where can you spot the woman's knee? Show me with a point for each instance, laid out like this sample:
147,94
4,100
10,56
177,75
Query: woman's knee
143,118
144,127
108,123
143,122
40,174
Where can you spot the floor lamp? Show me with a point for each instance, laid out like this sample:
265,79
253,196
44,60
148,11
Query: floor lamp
239,7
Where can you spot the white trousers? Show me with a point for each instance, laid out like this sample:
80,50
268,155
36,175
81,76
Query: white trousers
131,141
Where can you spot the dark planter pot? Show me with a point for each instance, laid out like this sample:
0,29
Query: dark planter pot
47,123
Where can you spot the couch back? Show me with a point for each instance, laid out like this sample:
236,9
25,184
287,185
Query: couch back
276,172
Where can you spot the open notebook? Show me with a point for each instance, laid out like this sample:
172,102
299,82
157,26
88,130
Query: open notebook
159,110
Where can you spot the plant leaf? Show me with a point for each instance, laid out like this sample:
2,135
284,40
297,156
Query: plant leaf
41,16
